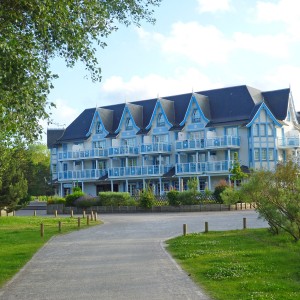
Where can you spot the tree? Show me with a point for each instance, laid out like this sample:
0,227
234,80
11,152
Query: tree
14,184
236,172
277,197
34,32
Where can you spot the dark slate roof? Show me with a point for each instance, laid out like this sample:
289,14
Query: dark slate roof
79,128
278,102
230,105
53,135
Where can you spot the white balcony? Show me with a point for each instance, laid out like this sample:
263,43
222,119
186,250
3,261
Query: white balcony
83,154
85,174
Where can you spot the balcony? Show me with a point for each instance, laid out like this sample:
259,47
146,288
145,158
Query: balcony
210,143
156,148
123,151
138,171
288,142
83,154
203,167
81,174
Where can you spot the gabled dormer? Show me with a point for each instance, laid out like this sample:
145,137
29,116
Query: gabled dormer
198,113
262,120
101,123
163,115
131,120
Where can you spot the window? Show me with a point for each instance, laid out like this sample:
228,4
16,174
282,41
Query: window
271,154
256,154
53,150
101,165
262,129
129,142
128,124
194,135
160,120
132,162
99,144
65,167
270,129
232,131
196,118
263,154
162,138
54,170
256,130
99,128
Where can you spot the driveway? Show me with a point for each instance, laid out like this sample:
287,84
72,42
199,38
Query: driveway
122,259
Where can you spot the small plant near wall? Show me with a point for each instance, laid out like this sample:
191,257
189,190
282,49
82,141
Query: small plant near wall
147,198
237,175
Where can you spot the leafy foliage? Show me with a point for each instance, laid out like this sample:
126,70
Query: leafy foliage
115,199
236,171
33,33
147,198
277,197
173,198
219,188
71,198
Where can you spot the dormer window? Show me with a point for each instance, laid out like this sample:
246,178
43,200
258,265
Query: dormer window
160,120
196,118
128,124
99,127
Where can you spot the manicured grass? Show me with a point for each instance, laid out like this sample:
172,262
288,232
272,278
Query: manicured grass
245,264
20,238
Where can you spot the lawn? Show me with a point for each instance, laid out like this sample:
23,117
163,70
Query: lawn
20,238
244,264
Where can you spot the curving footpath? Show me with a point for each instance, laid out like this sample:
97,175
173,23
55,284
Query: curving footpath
122,259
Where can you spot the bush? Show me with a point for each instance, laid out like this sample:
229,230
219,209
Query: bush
70,199
219,189
56,200
173,198
189,198
115,199
86,201
147,198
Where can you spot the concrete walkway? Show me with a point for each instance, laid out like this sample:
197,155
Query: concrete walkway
122,259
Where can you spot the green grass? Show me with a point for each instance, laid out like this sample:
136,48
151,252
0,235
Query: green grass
20,238
245,264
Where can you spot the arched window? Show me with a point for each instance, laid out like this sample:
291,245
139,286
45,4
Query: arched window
196,117
98,127
160,120
128,124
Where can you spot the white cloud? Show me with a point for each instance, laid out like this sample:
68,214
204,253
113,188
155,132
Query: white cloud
63,114
201,44
285,11
153,85
213,5
270,45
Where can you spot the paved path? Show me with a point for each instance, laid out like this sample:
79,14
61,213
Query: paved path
122,259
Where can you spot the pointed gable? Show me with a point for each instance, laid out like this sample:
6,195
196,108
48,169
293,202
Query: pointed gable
136,112
106,116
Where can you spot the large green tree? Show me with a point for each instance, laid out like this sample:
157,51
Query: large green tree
32,32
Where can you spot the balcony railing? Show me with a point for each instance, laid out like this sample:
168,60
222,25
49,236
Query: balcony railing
92,153
204,167
210,143
138,171
123,151
156,148
288,142
81,174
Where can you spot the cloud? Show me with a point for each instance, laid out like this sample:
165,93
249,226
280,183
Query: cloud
201,44
116,89
213,6
284,11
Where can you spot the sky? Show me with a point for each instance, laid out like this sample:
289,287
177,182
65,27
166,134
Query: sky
195,45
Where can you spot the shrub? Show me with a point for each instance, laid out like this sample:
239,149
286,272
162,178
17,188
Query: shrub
56,200
86,201
222,185
189,198
70,199
115,199
173,198
147,198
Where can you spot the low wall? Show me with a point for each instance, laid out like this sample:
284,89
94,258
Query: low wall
61,209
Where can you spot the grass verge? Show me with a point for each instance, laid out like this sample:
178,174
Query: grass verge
20,238
245,264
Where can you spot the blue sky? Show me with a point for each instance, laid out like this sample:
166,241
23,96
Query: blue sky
195,45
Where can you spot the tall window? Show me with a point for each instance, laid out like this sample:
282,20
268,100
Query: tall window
99,144
99,127
128,124
256,130
263,154
256,154
196,117
160,120
271,154
270,129
162,138
262,129
232,131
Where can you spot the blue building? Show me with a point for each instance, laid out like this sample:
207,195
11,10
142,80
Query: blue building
165,141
